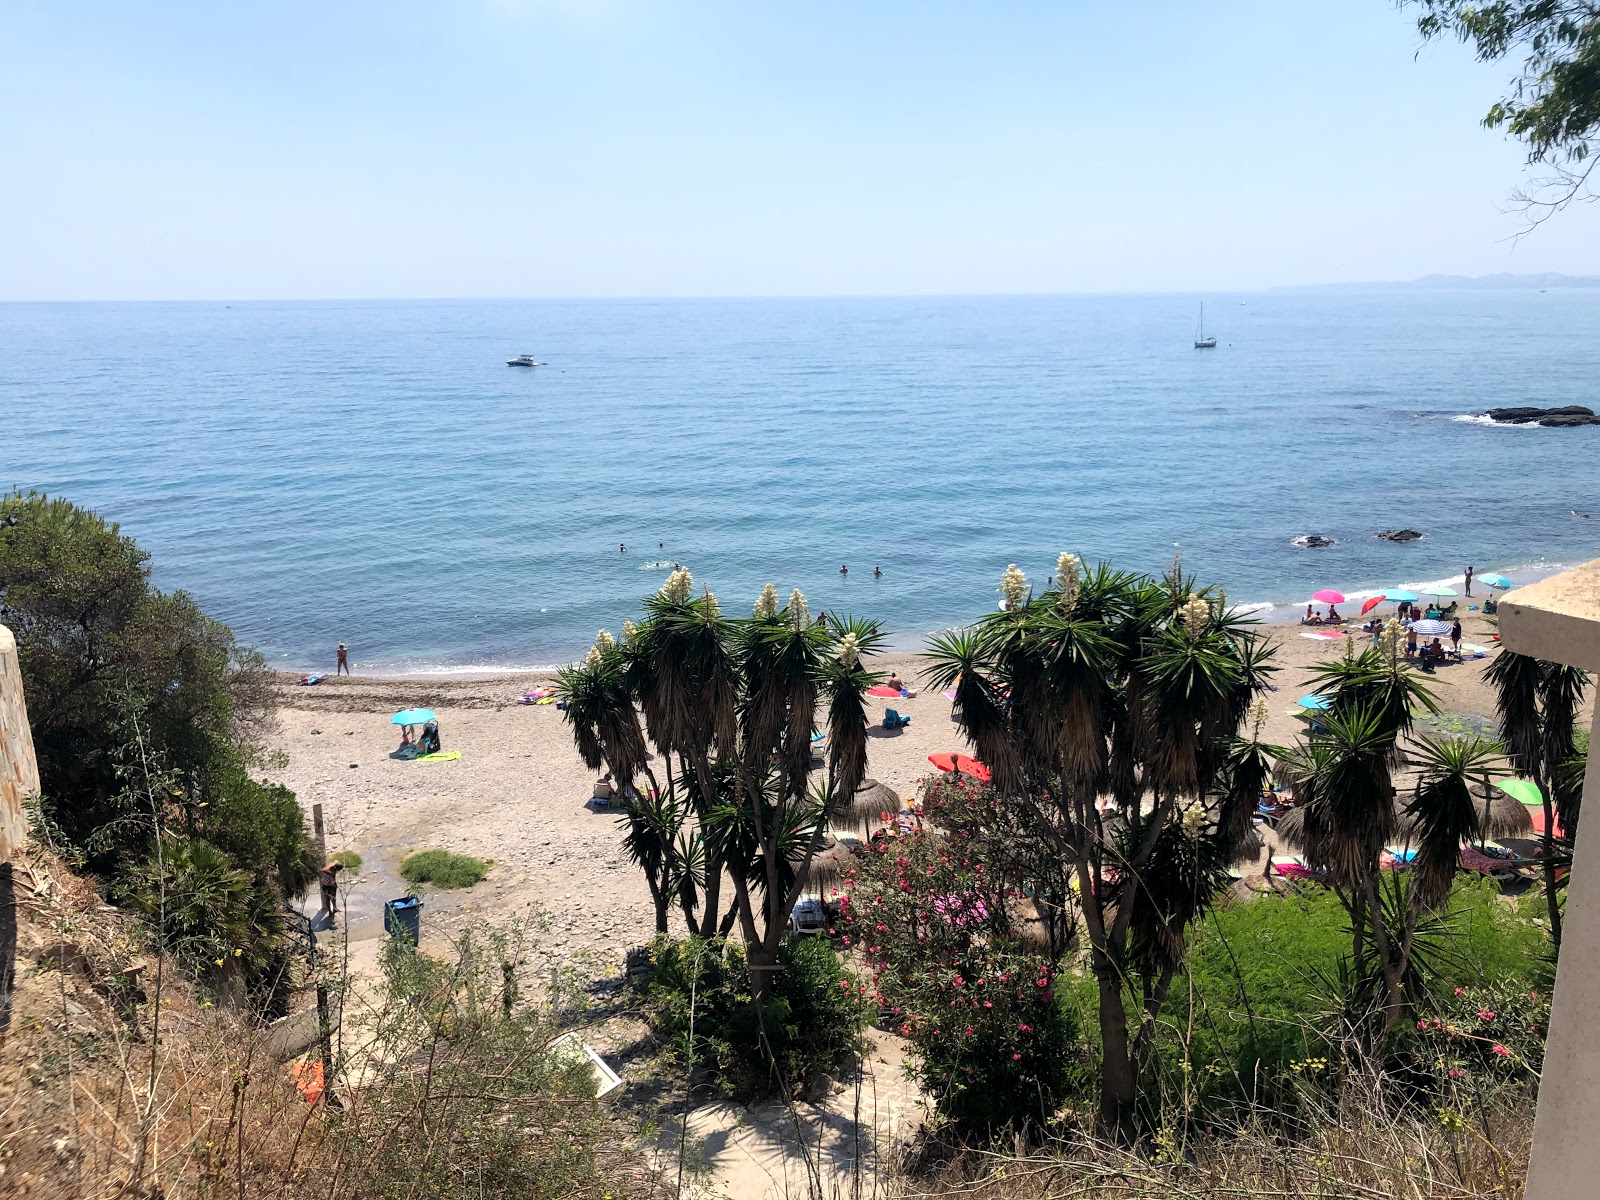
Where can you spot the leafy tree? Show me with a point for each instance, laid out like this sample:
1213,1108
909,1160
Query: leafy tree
1108,710
730,706
1553,105
147,718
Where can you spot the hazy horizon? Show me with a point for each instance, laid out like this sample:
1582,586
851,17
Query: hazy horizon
548,149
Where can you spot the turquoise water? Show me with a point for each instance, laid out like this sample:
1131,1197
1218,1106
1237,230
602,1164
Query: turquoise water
374,473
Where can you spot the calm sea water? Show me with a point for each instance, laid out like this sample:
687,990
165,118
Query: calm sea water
374,473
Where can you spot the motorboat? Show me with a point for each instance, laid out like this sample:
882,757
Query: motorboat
525,360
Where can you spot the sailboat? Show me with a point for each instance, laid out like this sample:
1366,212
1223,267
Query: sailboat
1201,341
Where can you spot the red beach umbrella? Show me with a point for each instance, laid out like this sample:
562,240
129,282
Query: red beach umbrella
883,689
1328,596
960,763
1372,604
1538,823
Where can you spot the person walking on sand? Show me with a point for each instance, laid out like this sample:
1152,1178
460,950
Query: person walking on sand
344,661
1455,637
1469,581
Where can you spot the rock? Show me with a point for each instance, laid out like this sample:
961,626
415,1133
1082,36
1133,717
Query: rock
315,732
816,1088
1313,541
353,766
1399,535
1561,417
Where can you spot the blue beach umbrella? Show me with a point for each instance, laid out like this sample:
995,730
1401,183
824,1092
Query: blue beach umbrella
1494,581
412,716
1431,628
1315,701
1399,594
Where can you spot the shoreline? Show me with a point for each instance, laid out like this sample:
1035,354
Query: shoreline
901,646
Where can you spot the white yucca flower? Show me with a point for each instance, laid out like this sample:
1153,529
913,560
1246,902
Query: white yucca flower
1392,633
1069,574
629,630
604,642
1259,712
712,605
799,610
1014,587
591,660
1196,615
1194,819
849,651
767,602
678,585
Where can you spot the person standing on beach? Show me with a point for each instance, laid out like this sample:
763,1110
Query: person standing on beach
328,879
1455,637
344,661
1469,581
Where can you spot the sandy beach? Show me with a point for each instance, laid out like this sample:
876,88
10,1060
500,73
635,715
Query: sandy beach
517,794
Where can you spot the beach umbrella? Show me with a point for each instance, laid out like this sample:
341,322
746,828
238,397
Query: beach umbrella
1494,581
1524,790
871,801
961,764
883,689
1328,596
1314,701
1431,628
1537,816
1400,595
827,867
1504,816
1373,603
1443,593
412,716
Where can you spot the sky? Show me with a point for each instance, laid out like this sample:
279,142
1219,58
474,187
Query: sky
477,148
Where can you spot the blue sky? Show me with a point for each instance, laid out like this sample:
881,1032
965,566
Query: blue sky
411,148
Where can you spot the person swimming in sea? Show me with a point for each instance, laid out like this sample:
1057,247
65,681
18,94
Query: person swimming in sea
877,572
843,570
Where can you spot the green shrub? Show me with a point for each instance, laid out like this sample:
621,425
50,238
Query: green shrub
351,860
443,869
811,1023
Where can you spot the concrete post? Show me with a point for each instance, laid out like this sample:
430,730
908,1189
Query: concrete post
1558,619
19,769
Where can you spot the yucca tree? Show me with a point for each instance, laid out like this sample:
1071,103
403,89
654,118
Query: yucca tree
1537,703
1122,690
730,706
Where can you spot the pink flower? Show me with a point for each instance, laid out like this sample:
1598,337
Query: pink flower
1016,1058
1459,991
968,1032
1457,1073
1485,1014
1498,1050
1422,1024
1024,1028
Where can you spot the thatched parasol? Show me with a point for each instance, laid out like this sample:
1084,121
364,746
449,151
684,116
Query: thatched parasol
872,799
1249,849
828,866
1504,816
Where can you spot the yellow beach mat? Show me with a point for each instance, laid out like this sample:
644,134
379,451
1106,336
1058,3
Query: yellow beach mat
445,756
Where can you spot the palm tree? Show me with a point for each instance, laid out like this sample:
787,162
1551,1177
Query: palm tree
730,706
1122,687
1537,703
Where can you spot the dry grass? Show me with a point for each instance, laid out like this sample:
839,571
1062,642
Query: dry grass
1353,1150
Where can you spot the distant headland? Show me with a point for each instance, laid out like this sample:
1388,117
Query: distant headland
1502,282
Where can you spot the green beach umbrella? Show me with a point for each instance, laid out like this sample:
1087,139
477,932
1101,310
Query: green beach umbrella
1524,790
412,716
1442,592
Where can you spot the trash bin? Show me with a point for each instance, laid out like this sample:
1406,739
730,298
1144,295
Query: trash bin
403,918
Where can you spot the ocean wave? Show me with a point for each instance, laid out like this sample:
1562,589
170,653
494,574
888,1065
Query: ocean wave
1483,419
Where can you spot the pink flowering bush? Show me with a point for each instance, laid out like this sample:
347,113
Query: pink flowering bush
993,1044
1482,1034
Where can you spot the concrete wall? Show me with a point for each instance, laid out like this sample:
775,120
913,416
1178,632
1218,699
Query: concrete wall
19,770
1558,619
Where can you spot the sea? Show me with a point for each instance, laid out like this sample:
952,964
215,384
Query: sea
375,473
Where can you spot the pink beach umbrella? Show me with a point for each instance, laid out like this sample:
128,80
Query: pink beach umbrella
1328,596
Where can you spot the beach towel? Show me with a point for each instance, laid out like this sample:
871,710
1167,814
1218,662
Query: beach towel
443,756
1323,637
308,680
1468,650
